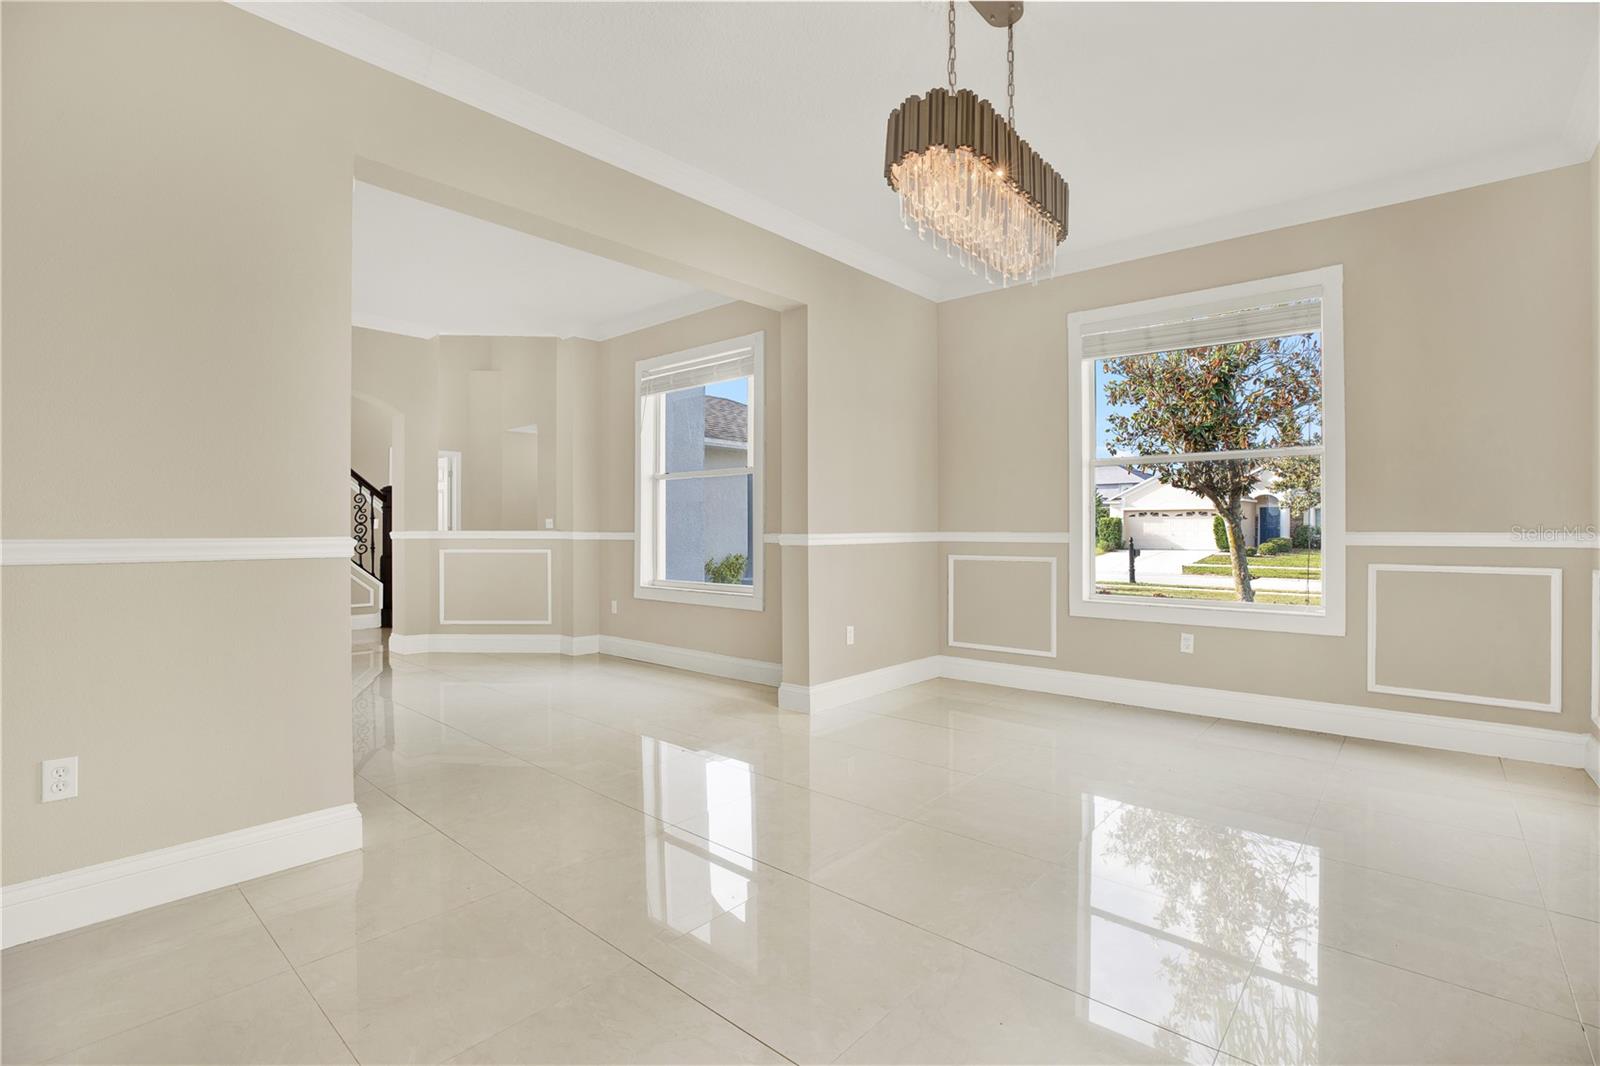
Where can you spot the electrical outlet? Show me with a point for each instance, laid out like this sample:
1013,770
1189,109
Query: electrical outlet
549,523
1186,643
849,634
613,606
60,779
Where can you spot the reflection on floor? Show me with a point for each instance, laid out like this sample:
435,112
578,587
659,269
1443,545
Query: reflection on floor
591,860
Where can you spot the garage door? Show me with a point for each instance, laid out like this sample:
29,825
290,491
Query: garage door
1191,530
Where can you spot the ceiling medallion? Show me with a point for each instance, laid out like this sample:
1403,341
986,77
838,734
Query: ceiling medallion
964,175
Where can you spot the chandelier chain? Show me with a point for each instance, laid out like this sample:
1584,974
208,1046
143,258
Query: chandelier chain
952,23
1011,75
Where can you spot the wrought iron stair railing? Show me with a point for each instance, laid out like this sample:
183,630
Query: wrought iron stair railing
367,522
370,528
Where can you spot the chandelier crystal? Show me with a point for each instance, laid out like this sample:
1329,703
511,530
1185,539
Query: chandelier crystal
965,177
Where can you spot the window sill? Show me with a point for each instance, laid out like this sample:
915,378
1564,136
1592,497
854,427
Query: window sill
739,601
1329,623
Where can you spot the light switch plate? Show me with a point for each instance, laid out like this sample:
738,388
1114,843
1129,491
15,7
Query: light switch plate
1186,643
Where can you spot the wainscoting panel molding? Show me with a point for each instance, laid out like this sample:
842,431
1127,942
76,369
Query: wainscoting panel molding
1552,576
1045,564
549,587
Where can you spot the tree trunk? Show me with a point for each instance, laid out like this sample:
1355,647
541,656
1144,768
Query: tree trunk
1236,557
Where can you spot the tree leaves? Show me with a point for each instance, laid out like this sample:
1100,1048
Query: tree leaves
1228,397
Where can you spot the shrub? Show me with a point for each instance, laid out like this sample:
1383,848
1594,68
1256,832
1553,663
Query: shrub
728,570
1307,537
1250,552
1275,546
1219,532
1108,533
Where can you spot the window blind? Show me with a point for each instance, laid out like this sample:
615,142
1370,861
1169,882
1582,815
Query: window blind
1227,327
740,363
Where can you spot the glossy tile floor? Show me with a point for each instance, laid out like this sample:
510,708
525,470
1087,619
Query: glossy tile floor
598,861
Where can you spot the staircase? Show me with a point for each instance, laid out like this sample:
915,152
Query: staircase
371,564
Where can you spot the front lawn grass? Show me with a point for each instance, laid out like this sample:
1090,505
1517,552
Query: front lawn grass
1289,564
1187,592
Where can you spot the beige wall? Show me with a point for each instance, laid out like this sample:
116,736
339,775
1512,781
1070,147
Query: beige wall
176,271
1470,382
503,586
401,375
199,698
177,244
744,634
488,387
370,431
1594,281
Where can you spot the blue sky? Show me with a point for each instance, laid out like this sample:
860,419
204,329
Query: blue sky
737,389
1103,409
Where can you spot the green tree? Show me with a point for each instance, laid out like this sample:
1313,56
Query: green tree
1227,397
1101,508
728,570
1299,481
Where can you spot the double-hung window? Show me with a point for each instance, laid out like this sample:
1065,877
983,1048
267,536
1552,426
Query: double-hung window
699,422
1208,453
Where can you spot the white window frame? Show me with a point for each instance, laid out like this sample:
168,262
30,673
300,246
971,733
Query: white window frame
649,542
453,520
1282,618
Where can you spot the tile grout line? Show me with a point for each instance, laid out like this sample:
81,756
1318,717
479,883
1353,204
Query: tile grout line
299,977
758,773
176,1010
1566,974
516,884
1555,939
1283,891
1321,801
786,873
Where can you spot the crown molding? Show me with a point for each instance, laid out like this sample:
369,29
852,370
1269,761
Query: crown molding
1568,149
371,42
360,37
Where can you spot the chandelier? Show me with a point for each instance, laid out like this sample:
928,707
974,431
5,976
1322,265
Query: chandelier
965,176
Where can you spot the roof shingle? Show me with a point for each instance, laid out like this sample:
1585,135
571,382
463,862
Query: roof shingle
727,419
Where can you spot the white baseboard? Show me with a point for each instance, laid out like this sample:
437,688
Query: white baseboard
1528,743
45,906
1369,723
370,620
700,662
858,686
483,643
589,645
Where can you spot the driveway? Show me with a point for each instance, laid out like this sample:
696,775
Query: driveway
1152,563
1162,566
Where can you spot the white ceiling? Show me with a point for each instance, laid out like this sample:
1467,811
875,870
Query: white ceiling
425,270
1175,124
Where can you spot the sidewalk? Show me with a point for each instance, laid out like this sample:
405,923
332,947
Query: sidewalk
1165,567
